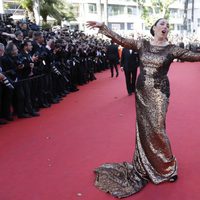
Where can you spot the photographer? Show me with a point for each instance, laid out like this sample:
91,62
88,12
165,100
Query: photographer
1,80
18,39
48,67
82,68
26,73
72,63
91,55
59,70
52,81
1,92
14,68
24,28
113,58
5,91
40,69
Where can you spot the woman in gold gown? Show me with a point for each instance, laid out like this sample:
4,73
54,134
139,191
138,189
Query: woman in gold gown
153,158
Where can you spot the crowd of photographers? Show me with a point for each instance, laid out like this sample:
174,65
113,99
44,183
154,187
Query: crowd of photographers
39,68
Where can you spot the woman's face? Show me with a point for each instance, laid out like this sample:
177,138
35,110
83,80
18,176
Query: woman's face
161,29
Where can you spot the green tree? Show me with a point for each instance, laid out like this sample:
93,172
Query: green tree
28,6
154,9
56,9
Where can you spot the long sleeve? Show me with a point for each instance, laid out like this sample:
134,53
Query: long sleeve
122,58
185,54
125,42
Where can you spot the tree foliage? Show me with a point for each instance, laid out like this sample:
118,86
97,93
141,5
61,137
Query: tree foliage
154,9
53,8
56,9
28,6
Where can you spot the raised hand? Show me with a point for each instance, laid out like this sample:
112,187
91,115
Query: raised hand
94,24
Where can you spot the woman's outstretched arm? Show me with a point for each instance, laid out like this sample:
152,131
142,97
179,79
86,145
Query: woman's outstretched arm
185,54
125,42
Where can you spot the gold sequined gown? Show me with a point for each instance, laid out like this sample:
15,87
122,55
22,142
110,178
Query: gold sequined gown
153,159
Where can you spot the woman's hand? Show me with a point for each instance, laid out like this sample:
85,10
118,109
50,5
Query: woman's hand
94,24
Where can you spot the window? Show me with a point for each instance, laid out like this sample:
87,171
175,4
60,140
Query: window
180,27
181,13
116,26
76,10
92,7
130,26
198,22
13,7
132,10
115,10
102,9
173,12
150,10
189,24
157,10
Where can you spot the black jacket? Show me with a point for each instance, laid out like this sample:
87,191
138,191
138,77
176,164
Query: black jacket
9,66
129,60
26,59
112,53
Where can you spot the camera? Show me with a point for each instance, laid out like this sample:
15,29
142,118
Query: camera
6,23
7,83
41,56
20,61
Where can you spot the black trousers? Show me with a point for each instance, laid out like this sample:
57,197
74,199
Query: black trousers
22,98
35,88
130,76
113,64
5,101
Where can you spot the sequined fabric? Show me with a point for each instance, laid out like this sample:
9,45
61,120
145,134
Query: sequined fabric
153,159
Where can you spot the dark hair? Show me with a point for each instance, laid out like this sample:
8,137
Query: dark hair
37,34
25,43
9,48
151,30
30,33
17,33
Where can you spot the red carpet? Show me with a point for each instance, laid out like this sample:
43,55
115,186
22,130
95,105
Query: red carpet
52,157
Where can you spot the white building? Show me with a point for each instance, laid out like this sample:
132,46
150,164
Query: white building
13,7
1,7
194,25
121,15
124,15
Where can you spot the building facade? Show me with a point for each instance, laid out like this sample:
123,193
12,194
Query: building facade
13,7
121,15
124,15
